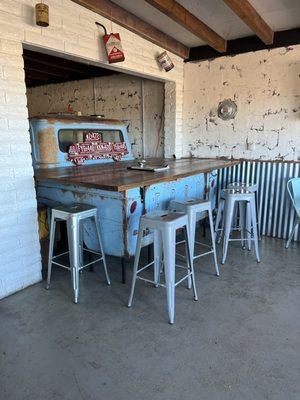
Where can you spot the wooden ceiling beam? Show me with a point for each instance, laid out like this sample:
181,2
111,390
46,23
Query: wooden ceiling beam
119,15
183,17
48,70
286,38
37,76
251,17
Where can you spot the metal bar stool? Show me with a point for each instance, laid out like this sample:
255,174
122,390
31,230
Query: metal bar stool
194,209
74,215
293,188
164,224
219,225
246,199
251,187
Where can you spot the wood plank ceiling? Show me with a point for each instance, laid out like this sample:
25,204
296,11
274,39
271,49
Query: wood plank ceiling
196,27
42,69
206,25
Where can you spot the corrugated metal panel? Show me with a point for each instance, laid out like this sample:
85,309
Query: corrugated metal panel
276,213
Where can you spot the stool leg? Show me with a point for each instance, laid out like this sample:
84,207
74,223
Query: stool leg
211,226
248,225
136,263
101,249
242,212
228,215
157,257
254,227
169,243
80,245
51,246
290,236
192,233
235,215
74,249
222,225
189,261
257,213
218,220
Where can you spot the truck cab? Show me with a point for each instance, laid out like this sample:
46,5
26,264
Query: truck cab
67,140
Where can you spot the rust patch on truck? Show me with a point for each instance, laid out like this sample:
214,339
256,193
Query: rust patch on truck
48,146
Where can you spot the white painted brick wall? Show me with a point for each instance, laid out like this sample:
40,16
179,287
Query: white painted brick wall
266,87
72,30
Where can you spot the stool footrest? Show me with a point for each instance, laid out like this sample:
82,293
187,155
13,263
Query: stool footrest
197,256
181,266
240,240
146,266
180,255
203,254
150,281
59,255
90,263
82,266
92,251
182,279
162,284
203,244
61,265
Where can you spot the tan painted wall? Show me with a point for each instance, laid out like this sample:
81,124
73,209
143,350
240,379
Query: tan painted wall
266,88
120,96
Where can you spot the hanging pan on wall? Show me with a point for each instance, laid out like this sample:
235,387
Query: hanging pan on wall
227,109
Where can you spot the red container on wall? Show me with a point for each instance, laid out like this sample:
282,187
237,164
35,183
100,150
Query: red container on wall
113,47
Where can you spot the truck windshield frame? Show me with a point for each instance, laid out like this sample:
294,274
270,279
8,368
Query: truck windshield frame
67,136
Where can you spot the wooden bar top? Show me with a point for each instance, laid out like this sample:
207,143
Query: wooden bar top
116,177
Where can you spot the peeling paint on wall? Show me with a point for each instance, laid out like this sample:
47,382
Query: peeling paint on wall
116,96
266,87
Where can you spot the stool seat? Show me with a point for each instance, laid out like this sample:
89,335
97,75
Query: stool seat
191,203
74,215
164,219
252,187
75,209
164,225
237,192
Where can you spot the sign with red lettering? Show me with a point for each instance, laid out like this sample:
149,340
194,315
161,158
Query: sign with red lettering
93,148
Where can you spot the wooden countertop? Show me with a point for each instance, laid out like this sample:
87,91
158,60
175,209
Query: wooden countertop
116,177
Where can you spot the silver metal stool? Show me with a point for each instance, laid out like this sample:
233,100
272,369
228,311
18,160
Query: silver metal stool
74,215
164,224
251,187
246,199
193,209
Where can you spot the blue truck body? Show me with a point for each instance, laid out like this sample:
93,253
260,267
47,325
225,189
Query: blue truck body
119,212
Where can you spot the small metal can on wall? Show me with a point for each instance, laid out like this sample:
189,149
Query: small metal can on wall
42,14
165,61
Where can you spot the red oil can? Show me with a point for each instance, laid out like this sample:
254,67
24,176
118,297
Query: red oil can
113,47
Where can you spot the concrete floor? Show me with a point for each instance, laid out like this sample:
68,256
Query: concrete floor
239,341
